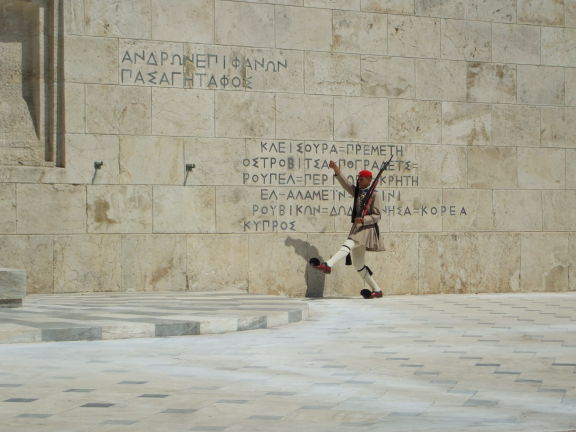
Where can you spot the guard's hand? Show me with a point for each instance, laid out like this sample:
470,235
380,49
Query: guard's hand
333,165
359,221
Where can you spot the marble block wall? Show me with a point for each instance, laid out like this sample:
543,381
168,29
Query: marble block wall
215,121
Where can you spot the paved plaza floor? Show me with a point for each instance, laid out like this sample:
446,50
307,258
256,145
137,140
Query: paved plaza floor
498,362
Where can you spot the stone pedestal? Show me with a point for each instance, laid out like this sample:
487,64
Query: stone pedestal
12,287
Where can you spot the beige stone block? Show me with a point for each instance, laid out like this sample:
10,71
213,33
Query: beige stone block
515,125
388,6
287,76
467,210
7,208
74,17
443,8
572,261
541,168
410,36
334,4
205,66
466,40
229,154
91,60
361,119
466,124
492,168
570,169
417,210
491,82
517,210
332,74
183,20
119,209
87,263
415,121
184,209
205,253
35,254
306,117
121,18
498,252
441,166
515,43
153,263
240,114
558,208
303,28
545,262
272,251
75,107
557,127
441,80
541,12
387,76
540,85
82,151
150,63
570,13
182,112
151,160
237,210
117,110
570,82
491,10
51,208
558,46
395,269
358,32
234,18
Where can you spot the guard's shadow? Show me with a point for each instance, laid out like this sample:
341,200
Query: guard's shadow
314,279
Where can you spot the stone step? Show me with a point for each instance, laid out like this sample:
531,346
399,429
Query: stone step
74,317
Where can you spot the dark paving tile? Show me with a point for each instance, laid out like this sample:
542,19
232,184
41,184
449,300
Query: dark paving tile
79,390
265,417
71,334
34,416
119,422
179,411
10,385
20,400
133,382
153,395
97,405
176,328
480,402
232,401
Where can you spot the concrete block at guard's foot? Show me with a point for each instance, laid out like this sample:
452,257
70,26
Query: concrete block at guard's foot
12,287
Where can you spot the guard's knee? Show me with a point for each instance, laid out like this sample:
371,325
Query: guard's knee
366,269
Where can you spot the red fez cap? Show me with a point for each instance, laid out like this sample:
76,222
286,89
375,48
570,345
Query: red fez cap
365,173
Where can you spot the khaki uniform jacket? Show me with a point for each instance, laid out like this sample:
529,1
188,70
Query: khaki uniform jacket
366,234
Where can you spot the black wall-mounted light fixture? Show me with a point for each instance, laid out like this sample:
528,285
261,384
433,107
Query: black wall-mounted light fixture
98,165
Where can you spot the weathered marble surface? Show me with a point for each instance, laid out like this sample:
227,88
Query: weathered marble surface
571,169
442,166
441,80
91,60
558,46
82,150
540,85
515,125
241,114
477,204
289,79
555,214
332,74
119,209
540,168
515,43
12,286
244,24
183,209
415,121
357,32
466,124
315,122
518,210
15,253
7,208
121,18
87,263
466,40
389,6
360,119
541,12
451,253
491,10
182,112
570,82
303,28
230,154
387,76
183,20
491,82
75,96
492,167
51,208
570,11
444,9
413,36
557,127
419,202
74,17
330,4
544,262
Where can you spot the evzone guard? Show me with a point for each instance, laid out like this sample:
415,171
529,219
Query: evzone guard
364,234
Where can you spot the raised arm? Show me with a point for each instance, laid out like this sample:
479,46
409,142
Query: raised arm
348,187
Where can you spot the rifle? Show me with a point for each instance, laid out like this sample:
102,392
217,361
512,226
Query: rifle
371,190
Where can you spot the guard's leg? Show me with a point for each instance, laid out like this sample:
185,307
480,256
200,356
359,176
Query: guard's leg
364,271
346,248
